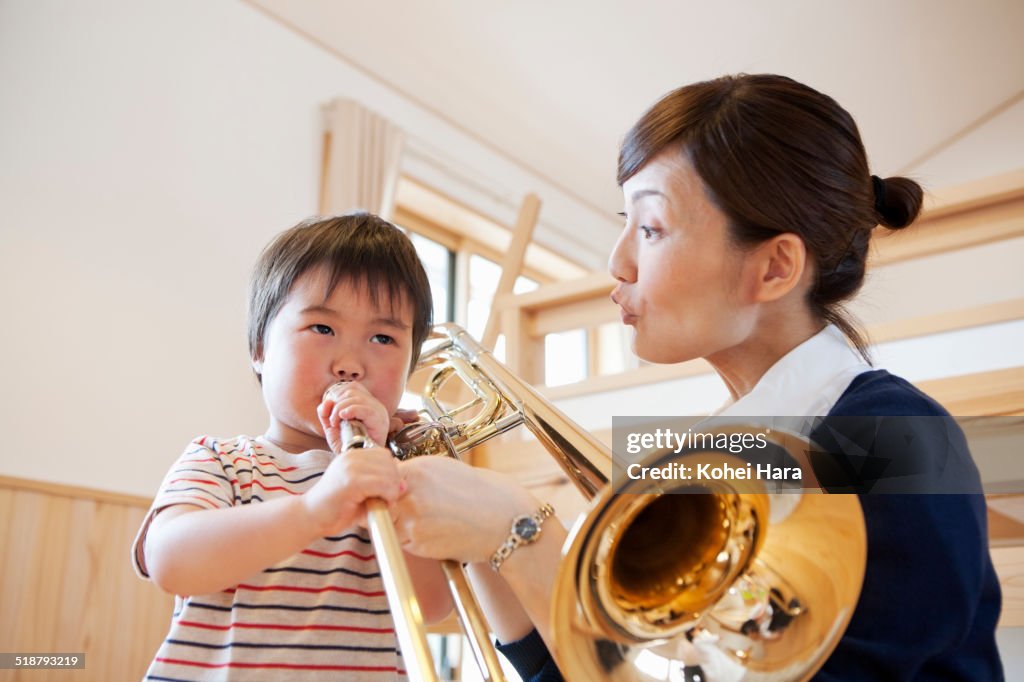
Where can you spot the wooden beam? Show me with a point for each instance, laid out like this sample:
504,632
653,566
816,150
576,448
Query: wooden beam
594,285
998,392
647,374
75,492
512,263
967,215
917,327
1005,527
989,313
325,168
524,356
1009,563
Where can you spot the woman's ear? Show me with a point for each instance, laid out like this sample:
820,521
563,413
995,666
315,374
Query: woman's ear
780,264
256,362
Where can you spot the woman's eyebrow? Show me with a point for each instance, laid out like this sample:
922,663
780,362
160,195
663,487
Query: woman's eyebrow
642,193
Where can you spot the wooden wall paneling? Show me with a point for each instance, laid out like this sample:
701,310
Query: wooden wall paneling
68,585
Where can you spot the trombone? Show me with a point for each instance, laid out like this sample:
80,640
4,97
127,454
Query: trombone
653,585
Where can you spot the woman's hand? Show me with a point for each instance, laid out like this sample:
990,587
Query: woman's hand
402,418
454,511
353,402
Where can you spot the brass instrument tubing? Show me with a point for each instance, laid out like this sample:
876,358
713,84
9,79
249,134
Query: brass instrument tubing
473,623
409,628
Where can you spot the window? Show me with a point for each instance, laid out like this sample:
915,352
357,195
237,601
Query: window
484,275
439,262
461,252
565,357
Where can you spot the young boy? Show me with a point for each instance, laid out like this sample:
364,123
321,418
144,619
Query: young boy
259,537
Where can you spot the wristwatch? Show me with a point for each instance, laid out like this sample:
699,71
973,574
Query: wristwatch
525,530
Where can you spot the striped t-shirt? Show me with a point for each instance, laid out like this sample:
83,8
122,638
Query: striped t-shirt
320,614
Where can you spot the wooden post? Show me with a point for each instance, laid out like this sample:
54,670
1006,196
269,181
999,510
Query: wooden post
325,172
512,264
524,354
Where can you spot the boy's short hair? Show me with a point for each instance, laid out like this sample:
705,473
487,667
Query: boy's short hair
360,248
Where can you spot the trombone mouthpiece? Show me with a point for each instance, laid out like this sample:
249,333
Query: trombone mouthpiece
354,436
353,433
333,390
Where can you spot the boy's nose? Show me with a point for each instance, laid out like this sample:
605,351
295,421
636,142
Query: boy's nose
348,368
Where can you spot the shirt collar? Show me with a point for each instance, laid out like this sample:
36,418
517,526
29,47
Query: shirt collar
806,381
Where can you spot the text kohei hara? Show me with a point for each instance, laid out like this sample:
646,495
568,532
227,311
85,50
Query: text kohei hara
714,471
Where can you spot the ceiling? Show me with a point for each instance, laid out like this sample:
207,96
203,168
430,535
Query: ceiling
937,86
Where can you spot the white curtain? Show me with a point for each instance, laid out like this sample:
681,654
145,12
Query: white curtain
362,153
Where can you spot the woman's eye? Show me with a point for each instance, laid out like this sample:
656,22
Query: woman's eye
647,231
383,338
321,329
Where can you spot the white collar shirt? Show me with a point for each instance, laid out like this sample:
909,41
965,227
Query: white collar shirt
805,382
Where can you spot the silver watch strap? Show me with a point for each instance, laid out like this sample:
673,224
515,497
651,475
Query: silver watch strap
515,540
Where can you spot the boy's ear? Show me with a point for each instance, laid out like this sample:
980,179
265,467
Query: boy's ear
779,266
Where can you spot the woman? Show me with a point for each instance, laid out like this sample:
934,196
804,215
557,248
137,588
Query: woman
749,207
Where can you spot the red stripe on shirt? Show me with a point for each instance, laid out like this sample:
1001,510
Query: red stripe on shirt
242,458
252,460
268,489
347,552
308,590
193,480
277,626
286,666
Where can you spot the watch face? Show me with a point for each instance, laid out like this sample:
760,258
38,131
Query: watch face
526,528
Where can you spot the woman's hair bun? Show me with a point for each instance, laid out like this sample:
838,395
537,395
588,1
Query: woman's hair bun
898,202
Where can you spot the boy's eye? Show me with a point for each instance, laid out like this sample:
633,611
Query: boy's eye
321,329
383,338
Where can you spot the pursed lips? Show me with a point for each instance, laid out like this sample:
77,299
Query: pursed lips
628,316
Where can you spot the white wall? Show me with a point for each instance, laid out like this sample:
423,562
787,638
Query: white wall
148,151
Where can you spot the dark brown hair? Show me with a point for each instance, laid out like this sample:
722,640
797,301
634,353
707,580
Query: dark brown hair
777,156
359,248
